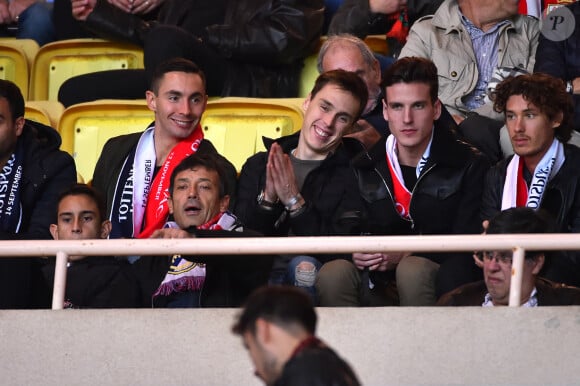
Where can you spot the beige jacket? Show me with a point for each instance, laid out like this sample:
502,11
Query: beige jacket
443,38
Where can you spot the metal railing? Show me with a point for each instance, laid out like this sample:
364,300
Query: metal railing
519,243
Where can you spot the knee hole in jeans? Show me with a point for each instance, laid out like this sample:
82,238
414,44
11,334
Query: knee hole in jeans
305,274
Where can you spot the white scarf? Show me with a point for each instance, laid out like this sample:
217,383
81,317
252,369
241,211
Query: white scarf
546,169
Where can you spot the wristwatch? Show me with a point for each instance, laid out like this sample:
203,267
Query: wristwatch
265,203
570,87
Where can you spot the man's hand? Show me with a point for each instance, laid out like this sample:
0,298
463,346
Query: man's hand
170,233
81,9
281,174
5,17
16,7
378,261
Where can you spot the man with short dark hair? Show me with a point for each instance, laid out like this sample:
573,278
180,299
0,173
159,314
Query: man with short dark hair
278,326
133,170
419,180
92,281
32,173
544,172
497,269
198,201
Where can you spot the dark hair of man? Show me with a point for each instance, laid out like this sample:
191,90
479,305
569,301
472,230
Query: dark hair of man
412,70
84,189
347,81
174,65
545,92
522,220
284,306
12,93
208,161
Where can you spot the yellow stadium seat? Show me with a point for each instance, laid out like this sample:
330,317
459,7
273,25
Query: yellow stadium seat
16,57
45,112
58,61
235,126
86,127
377,44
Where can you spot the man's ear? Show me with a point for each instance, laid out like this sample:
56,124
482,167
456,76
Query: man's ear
385,110
106,227
54,231
437,106
224,203
538,264
19,123
151,100
170,204
263,333
306,102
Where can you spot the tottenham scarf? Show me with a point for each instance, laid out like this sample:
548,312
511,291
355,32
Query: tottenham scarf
10,182
184,275
402,194
515,190
140,202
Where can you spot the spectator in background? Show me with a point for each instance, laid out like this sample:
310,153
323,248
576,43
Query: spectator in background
470,40
544,171
494,290
133,170
33,171
27,19
277,327
198,201
558,54
303,184
419,180
246,47
92,281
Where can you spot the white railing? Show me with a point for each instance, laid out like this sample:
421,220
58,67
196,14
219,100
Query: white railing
519,243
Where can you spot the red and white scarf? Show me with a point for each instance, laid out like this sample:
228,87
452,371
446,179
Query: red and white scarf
402,194
150,208
516,193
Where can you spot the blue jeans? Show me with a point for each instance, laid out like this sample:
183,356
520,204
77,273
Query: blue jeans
35,23
301,271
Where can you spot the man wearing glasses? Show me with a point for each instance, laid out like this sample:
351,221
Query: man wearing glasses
497,267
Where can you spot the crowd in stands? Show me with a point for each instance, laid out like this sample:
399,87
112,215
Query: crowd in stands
477,116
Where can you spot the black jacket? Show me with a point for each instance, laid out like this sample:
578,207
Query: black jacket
98,282
332,200
446,198
561,199
47,171
268,39
229,278
561,58
549,294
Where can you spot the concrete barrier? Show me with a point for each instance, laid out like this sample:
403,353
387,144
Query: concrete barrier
385,346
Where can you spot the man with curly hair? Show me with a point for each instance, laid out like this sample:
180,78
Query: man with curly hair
543,172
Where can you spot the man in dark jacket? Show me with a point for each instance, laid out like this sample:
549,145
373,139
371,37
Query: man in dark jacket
92,281
198,202
33,171
133,170
303,185
561,57
278,326
544,172
249,48
419,180
494,290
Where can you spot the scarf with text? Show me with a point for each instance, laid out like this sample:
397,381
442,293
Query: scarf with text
402,194
516,193
184,275
10,183
140,202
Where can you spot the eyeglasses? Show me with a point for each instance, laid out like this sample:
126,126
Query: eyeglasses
503,258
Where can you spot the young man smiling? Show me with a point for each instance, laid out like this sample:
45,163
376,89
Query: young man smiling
544,171
133,170
304,185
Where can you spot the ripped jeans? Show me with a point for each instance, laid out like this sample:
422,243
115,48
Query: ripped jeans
301,271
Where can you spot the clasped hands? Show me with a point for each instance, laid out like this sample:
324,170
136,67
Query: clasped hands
280,178
378,261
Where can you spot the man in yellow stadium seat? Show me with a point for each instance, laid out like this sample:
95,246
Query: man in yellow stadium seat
133,170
